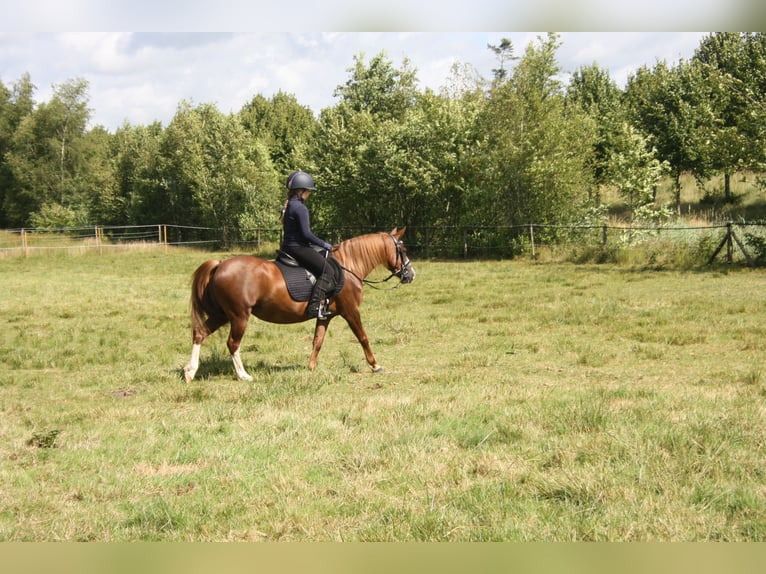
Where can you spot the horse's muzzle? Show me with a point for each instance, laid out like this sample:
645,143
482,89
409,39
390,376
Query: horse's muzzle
407,273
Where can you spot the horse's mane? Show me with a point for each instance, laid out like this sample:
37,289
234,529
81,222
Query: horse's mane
362,254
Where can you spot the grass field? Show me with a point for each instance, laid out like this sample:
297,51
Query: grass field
520,402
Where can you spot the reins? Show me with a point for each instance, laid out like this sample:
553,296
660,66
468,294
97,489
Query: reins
374,284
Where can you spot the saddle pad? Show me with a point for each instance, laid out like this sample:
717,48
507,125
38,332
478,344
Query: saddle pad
300,282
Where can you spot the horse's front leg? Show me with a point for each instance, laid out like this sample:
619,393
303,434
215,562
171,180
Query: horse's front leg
355,322
319,332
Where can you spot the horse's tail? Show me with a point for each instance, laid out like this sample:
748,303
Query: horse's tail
201,301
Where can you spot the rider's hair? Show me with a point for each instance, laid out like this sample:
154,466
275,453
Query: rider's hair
290,194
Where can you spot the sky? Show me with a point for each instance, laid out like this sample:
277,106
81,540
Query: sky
141,58
142,77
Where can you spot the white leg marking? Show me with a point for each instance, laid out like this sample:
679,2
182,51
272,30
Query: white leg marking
241,372
191,367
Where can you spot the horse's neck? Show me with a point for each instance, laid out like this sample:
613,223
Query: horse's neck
362,254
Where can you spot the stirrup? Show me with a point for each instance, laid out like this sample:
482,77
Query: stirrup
321,311
324,310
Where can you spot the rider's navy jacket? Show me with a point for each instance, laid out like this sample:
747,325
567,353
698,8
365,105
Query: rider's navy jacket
297,227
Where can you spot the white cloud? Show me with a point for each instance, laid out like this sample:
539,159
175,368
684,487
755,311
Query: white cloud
622,53
143,77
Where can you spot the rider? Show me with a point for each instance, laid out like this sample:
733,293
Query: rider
298,241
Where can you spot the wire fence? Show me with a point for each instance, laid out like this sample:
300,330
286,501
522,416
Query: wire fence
103,239
736,242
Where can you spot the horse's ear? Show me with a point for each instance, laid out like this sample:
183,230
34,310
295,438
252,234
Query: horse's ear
398,232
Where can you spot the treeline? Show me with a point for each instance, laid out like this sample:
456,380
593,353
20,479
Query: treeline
518,147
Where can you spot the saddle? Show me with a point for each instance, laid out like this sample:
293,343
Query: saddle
300,281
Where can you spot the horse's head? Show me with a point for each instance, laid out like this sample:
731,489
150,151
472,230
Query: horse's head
399,264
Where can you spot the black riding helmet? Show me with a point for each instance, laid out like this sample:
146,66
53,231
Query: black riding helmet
300,180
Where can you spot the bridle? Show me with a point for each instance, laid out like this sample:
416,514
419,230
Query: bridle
402,273
404,268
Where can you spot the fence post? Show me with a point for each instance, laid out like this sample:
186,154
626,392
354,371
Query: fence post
98,240
603,236
465,244
532,238
729,240
729,250
24,245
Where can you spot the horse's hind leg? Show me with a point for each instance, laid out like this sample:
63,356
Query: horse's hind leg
198,336
238,326
190,369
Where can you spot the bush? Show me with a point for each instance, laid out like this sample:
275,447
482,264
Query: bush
57,216
756,247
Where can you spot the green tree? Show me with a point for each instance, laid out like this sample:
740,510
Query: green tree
70,106
99,189
213,175
284,126
623,157
366,157
46,158
400,157
16,104
379,88
139,195
536,150
754,121
673,106
504,53
593,90
635,170
460,105
415,167
735,65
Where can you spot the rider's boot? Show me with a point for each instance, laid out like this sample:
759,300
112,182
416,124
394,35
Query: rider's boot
318,303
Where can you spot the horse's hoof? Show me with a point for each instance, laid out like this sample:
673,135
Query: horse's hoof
378,369
188,377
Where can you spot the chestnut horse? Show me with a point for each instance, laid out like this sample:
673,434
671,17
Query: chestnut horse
230,291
